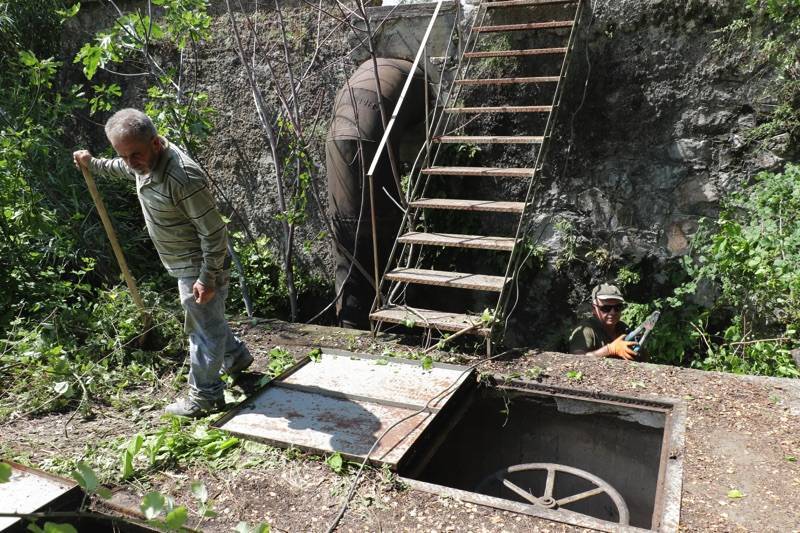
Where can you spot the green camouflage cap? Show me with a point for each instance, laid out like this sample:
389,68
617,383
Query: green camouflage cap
606,291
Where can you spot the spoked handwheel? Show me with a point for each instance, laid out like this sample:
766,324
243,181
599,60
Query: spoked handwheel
547,500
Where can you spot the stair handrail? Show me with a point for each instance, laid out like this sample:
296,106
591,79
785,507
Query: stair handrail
384,140
437,124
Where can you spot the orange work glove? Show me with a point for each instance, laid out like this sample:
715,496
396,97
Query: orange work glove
621,348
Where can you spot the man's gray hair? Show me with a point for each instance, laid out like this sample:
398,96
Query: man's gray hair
130,123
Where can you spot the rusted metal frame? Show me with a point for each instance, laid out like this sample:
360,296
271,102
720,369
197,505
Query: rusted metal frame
458,387
70,498
410,216
519,53
508,81
561,515
658,506
514,262
501,109
418,277
372,461
658,406
279,380
666,511
441,124
398,360
490,206
408,250
452,96
491,139
414,190
523,27
433,436
523,3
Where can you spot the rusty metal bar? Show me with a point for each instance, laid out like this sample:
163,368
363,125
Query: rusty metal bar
522,27
516,257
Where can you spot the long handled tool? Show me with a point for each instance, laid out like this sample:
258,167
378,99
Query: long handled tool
123,265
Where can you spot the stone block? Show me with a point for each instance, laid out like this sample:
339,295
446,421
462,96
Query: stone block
699,189
678,236
690,150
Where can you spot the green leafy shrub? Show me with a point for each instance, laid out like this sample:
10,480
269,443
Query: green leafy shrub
739,308
266,281
66,329
772,29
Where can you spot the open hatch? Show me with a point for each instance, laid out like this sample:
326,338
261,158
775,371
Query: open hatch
593,460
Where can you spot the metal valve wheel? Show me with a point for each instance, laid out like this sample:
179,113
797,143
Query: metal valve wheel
547,500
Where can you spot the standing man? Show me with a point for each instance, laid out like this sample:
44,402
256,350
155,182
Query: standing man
603,335
190,237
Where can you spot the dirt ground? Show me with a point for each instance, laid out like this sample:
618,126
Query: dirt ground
742,433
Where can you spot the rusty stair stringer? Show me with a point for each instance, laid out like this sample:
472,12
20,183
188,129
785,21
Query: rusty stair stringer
404,275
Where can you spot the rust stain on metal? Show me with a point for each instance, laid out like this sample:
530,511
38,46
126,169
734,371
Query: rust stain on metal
381,379
344,403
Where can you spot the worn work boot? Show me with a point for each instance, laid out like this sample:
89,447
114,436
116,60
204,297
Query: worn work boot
241,364
195,407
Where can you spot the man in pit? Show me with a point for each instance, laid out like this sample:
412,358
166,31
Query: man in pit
603,334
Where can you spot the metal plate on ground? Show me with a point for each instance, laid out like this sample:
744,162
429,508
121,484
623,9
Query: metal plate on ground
30,490
344,402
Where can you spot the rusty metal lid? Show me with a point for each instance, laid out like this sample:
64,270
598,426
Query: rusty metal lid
344,402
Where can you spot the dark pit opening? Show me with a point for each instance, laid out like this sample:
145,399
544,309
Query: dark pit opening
505,426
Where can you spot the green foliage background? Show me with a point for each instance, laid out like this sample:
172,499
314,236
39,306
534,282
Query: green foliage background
737,308
68,329
735,303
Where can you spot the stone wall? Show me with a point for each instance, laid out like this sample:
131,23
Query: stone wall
650,137
657,141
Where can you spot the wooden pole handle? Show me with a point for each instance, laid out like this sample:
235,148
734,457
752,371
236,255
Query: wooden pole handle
112,236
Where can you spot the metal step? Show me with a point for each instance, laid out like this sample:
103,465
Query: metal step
458,280
502,109
469,205
480,171
507,81
427,318
523,3
455,240
517,53
488,139
522,27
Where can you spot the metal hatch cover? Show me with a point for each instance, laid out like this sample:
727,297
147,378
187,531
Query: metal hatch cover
30,490
343,402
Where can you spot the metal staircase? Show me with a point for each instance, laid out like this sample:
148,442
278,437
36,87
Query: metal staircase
422,261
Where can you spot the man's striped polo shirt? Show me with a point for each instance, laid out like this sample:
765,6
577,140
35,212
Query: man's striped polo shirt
182,220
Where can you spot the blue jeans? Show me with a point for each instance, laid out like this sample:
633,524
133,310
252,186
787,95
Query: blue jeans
212,345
